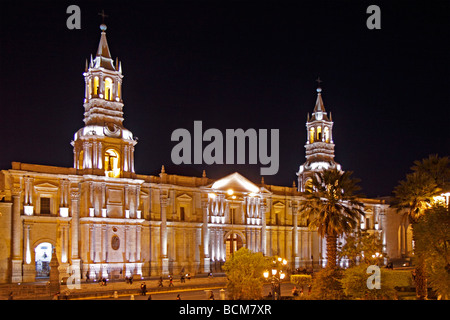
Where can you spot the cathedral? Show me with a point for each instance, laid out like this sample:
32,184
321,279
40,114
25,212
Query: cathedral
103,220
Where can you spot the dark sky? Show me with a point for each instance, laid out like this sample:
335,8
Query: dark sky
234,64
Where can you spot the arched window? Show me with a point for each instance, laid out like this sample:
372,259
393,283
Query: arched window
308,184
108,88
119,90
326,134
80,160
96,85
112,167
319,134
89,88
311,135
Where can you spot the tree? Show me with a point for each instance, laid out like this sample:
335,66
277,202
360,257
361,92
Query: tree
433,242
437,168
327,284
245,274
414,196
362,246
332,207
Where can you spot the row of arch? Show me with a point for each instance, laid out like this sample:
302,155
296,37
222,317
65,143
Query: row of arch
317,135
111,162
110,91
43,251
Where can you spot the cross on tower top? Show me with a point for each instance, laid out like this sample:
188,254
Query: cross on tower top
318,81
319,89
103,15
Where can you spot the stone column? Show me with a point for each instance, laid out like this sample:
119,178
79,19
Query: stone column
138,243
295,237
104,242
221,245
125,158
213,246
258,240
75,258
263,210
205,234
125,244
132,159
164,257
100,155
63,268
92,242
17,237
383,227
28,266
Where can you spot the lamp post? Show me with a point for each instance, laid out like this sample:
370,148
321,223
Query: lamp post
377,257
277,275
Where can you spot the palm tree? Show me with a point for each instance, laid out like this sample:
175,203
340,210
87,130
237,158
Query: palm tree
332,207
414,196
438,168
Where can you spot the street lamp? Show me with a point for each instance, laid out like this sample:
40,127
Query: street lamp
277,276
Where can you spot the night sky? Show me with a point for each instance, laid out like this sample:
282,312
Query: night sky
234,64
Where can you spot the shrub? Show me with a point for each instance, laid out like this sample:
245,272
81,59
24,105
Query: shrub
301,279
354,283
327,285
245,274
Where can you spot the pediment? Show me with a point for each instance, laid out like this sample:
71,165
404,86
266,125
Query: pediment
184,197
279,205
46,186
237,182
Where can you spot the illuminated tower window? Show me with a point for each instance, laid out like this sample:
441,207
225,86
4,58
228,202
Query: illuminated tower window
308,184
108,88
96,85
311,135
112,168
326,134
119,90
90,88
319,134
80,160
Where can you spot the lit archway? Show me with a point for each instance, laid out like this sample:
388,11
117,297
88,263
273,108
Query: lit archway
43,256
112,161
108,89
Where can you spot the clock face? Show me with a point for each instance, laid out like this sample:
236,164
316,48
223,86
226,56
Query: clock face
111,130
319,116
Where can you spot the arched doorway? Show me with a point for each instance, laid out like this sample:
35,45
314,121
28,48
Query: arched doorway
233,243
43,255
112,163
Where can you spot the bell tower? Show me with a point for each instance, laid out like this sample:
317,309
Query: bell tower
319,143
103,146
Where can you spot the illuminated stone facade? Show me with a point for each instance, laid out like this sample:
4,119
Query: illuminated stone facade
105,220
